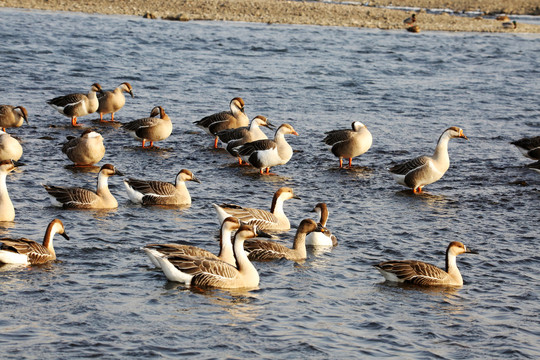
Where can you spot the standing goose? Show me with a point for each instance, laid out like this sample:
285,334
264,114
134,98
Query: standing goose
204,272
510,25
421,273
7,211
232,119
529,147
10,148
264,250
274,220
410,20
239,136
159,192
226,252
112,101
151,128
28,252
86,150
267,153
12,116
318,238
349,143
77,105
424,170
81,198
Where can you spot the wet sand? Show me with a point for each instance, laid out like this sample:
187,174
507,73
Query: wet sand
308,13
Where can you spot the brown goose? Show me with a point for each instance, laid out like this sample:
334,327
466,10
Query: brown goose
204,272
81,198
25,251
421,273
77,105
264,154
263,250
7,211
159,192
410,20
529,147
86,150
112,101
226,252
349,143
10,148
151,128
273,220
424,170
12,116
317,238
232,119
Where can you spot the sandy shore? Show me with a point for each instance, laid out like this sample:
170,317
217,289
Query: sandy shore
309,13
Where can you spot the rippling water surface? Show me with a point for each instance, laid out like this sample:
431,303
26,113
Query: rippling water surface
104,299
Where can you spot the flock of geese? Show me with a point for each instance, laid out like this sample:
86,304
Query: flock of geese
242,228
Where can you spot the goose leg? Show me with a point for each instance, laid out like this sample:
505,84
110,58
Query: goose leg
350,162
74,121
340,163
112,117
215,142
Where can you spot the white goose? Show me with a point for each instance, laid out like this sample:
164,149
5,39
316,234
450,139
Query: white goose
318,238
12,116
349,143
112,101
7,211
421,273
28,252
267,153
273,220
424,170
86,150
159,192
529,147
232,119
77,105
204,272
10,148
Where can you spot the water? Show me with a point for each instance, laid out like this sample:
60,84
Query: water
104,299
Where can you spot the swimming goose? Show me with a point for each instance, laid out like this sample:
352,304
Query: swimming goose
10,148
28,252
204,272
112,101
159,192
86,150
529,147
510,25
414,29
266,153
410,20
274,220
264,250
239,136
7,211
12,116
232,119
77,105
226,253
349,143
318,238
151,128
81,198
421,273
535,166
424,170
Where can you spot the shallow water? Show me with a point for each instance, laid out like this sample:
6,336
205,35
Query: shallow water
104,299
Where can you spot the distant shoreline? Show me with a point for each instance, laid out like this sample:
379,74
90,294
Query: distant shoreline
306,13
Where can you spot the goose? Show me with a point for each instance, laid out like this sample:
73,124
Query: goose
28,252
264,250
414,29
12,116
112,101
159,192
349,143
535,166
81,198
10,148
273,220
151,128
232,119
7,211
239,136
266,153
410,20
502,18
204,272
318,238
86,150
421,273
226,253
424,170
510,25
77,105
529,147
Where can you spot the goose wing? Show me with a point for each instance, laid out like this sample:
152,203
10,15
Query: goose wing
250,216
336,136
141,124
35,252
407,167
72,143
205,272
264,250
414,272
67,100
181,249
527,143
72,197
232,134
254,146
152,188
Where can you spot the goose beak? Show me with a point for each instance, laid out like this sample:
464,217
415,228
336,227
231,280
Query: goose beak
270,125
17,163
131,93
470,251
295,133
193,178
296,197
65,235
118,172
263,234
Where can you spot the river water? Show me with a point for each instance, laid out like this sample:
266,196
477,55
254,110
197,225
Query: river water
104,299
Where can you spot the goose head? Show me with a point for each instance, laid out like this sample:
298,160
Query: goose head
186,175
286,129
23,113
357,126
110,170
457,248
237,104
126,87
